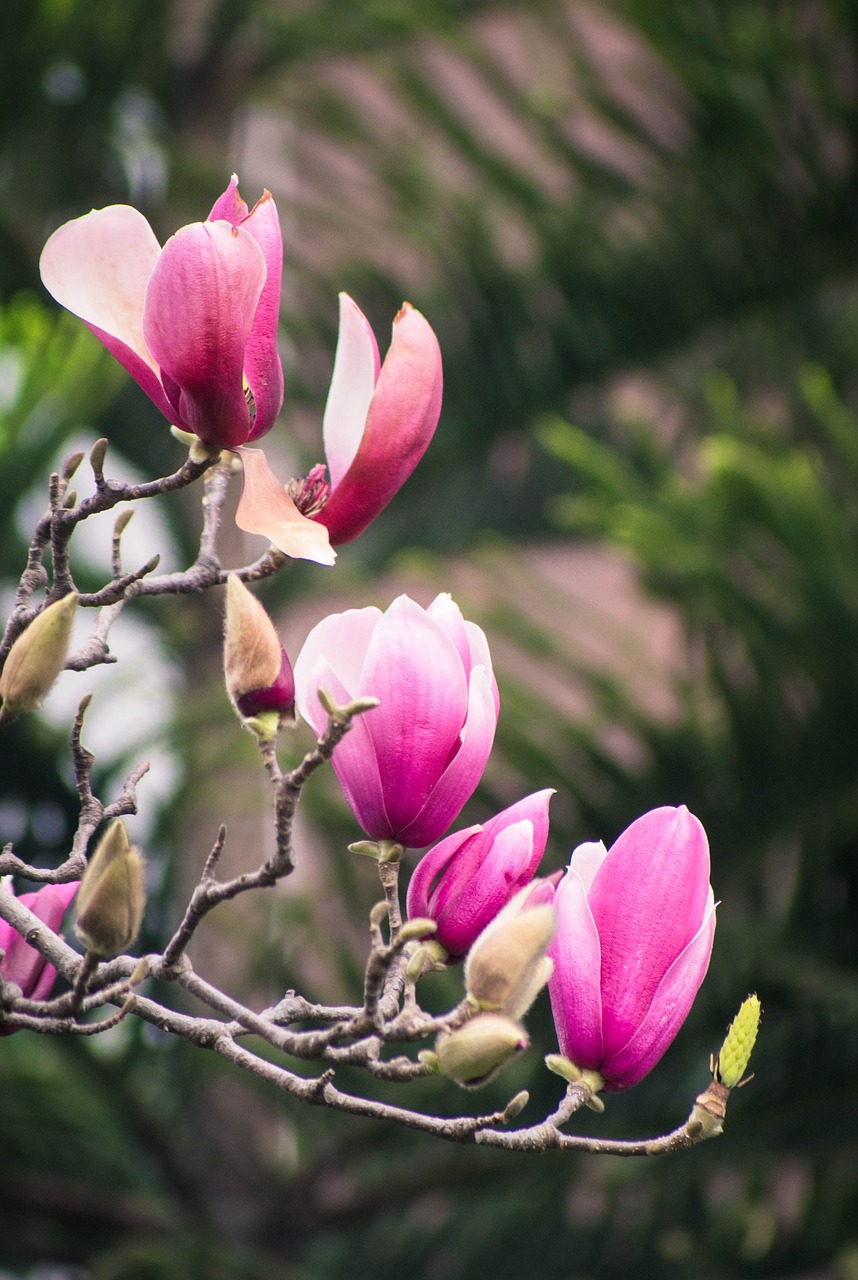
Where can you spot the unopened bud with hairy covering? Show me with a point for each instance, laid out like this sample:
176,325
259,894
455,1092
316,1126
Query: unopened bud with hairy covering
258,673
36,658
475,1053
507,967
112,895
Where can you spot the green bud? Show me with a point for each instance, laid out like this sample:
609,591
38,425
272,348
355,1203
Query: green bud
515,1106
71,464
112,895
473,1055
507,967
732,1061
36,658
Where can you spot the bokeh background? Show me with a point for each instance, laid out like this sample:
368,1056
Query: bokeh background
634,227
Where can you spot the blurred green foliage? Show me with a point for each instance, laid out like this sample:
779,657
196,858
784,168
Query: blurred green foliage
641,219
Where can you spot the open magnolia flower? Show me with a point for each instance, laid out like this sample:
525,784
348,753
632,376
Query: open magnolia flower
378,422
195,324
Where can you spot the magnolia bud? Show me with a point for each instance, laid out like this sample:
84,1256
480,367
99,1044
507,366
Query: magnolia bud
473,1055
507,967
732,1061
258,673
112,895
36,658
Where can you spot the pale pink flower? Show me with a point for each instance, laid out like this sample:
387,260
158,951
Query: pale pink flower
378,422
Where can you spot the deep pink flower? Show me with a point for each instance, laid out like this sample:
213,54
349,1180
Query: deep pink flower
378,422
635,926
463,882
409,765
194,323
23,964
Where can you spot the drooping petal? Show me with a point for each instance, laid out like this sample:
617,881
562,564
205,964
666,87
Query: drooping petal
266,508
669,1009
412,666
400,423
459,780
356,366
574,986
262,367
98,267
648,899
200,304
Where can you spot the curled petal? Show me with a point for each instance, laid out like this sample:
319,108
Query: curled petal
262,367
266,508
356,367
400,423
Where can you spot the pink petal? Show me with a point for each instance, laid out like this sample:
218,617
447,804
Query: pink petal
460,778
23,964
574,986
266,508
262,367
229,207
399,425
98,267
648,900
669,1009
354,760
423,887
586,861
356,367
200,305
413,668
341,641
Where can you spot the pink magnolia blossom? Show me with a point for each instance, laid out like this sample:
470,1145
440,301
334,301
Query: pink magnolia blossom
378,422
194,323
22,964
408,765
463,882
635,925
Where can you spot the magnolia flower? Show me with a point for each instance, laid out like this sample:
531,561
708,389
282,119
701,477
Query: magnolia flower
463,882
408,765
194,323
635,925
22,964
378,422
